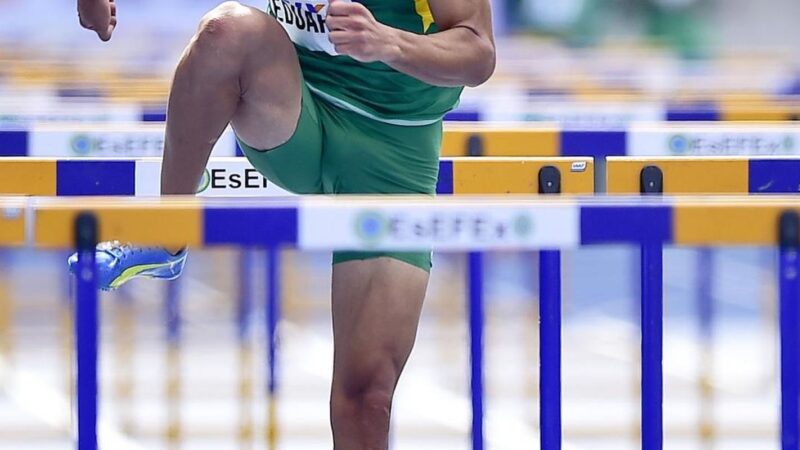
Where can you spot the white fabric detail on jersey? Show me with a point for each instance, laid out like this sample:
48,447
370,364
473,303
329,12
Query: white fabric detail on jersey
339,103
304,22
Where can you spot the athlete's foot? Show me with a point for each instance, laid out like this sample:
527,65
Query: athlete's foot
119,263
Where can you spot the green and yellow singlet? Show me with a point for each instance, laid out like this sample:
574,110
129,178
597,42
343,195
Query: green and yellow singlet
374,90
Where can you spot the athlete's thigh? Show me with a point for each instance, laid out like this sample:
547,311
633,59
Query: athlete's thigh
365,156
294,165
270,83
376,309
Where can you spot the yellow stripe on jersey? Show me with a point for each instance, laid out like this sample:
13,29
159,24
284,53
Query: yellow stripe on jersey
423,9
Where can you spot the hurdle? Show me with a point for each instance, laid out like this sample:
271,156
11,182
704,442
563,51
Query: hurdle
704,132
459,139
126,177
101,140
689,175
559,224
139,177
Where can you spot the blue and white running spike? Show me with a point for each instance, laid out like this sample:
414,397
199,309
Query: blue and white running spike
119,263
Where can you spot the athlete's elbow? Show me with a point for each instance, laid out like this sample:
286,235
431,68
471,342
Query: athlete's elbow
486,58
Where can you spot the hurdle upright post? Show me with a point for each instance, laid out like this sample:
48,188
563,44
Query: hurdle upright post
272,316
476,325
172,317
124,337
86,330
789,274
6,322
705,309
652,323
652,345
550,329
550,348
66,323
6,318
244,312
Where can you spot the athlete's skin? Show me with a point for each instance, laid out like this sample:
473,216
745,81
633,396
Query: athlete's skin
241,68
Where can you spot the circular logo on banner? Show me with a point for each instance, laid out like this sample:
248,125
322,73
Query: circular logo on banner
205,182
81,144
370,226
523,226
788,143
12,213
678,144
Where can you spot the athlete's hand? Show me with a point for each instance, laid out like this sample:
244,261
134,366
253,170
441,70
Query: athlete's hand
355,32
99,16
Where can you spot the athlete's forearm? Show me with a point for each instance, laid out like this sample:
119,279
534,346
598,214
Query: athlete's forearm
455,57
462,53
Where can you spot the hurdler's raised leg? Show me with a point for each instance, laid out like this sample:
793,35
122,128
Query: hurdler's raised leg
239,68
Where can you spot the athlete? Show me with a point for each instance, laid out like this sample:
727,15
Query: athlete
325,97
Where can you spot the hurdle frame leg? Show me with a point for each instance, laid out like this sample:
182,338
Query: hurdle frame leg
789,291
705,311
550,349
6,321
124,353
172,318
476,331
652,345
635,311
66,323
86,331
651,182
272,317
244,310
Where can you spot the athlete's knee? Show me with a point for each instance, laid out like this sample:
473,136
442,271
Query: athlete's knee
373,404
364,393
228,28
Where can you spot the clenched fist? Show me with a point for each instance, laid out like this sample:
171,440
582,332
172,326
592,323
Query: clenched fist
99,16
355,32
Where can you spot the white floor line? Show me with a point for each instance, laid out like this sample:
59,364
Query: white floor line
47,404
685,372
503,431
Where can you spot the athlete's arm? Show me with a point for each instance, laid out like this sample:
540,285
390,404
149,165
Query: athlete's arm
99,16
461,53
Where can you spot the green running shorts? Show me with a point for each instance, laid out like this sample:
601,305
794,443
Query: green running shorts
336,151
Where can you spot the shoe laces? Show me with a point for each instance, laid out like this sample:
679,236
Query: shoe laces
118,249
